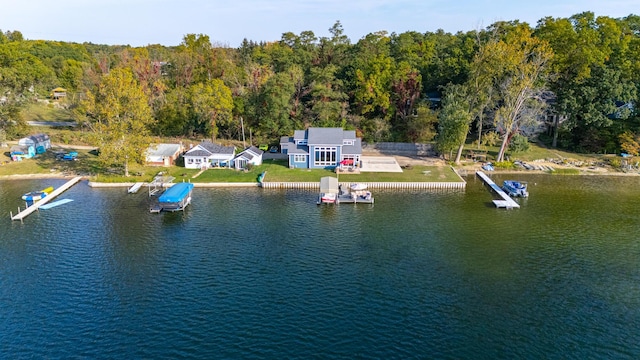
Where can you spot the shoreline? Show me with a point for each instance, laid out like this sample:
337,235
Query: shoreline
462,171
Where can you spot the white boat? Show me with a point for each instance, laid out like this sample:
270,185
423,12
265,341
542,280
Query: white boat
358,187
328,198
32,197
515,188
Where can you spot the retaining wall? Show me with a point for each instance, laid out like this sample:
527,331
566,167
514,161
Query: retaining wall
370,185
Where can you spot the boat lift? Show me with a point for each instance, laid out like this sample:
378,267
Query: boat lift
158,183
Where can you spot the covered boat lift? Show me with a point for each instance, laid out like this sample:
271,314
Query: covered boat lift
329,190
176,198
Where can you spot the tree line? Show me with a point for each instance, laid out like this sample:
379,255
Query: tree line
574,82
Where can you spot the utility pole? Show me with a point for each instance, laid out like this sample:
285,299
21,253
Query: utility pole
242,124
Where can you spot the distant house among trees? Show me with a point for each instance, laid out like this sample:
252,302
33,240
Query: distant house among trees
58,93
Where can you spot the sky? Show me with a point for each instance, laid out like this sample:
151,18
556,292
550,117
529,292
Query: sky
228,22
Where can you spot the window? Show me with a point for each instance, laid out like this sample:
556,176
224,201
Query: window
325,156
347,142
299,158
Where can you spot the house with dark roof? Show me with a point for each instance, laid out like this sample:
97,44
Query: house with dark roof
207,154
163,154
251,155
322,148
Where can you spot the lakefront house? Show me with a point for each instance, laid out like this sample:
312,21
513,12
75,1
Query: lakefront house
207,154
322,148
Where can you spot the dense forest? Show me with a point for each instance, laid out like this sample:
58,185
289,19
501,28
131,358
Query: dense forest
570,82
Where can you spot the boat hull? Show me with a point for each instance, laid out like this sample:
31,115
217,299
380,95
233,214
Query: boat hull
515,188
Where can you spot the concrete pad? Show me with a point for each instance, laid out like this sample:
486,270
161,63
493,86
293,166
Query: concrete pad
379,164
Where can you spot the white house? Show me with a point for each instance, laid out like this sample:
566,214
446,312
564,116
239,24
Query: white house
163,154
251,155
207,154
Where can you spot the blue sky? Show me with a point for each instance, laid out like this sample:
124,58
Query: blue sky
143,22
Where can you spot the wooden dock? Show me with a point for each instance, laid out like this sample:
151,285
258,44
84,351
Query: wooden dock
507,202
24,213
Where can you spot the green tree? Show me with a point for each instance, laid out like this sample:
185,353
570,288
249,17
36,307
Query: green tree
421,127
520,81
119,117
406,88
372,76
22,78
328,102
453,124
211,106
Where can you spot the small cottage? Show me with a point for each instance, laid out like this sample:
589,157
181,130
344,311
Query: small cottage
163,154
251,155
207,154
58,93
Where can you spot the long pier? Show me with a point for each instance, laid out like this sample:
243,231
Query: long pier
507,202
24,213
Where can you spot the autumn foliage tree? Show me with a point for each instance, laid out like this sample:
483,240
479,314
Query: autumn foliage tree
119,117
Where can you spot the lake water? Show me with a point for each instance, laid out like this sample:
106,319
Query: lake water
252,273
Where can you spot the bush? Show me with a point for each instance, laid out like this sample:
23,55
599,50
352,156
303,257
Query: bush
519,143
491,138
504,165
615,162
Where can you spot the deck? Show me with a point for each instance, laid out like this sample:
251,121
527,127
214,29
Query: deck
26,212
507,202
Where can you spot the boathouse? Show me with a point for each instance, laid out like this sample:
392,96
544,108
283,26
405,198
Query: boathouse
322,148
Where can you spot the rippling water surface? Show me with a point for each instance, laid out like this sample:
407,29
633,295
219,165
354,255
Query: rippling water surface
247,273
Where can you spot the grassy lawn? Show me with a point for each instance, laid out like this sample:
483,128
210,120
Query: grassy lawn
536,151
277,171
46,112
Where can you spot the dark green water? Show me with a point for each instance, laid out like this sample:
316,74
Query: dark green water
247,273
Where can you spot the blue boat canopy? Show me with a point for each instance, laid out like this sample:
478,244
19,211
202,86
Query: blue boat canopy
176,193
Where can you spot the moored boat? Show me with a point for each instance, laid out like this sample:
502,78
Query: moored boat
176,198
358,187
328,198
515,188
34,196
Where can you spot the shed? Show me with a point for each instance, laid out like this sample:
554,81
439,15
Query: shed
163,154
58,93
329,184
